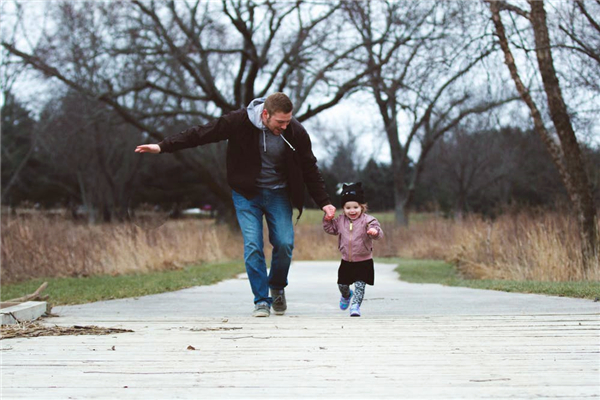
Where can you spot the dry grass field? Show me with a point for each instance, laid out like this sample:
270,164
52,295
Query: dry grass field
525,246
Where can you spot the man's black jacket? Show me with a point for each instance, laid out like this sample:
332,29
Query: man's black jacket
243,155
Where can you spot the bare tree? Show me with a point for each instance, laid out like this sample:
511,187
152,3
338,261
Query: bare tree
18,146
161,63
481,169
98,171
474,168
419,66
18,149
575,37
565,151
580,26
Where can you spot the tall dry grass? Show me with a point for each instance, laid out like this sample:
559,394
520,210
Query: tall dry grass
40,246
526,246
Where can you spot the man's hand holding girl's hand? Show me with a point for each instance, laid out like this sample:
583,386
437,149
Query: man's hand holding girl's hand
372,232
329,212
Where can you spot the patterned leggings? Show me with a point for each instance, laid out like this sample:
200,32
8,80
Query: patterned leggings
359,292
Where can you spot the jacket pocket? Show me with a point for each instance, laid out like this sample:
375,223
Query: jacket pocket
367,246
342,246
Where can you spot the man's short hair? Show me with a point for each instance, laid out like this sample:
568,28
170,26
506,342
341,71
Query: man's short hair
278,102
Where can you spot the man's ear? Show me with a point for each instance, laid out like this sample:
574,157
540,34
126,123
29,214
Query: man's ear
265,113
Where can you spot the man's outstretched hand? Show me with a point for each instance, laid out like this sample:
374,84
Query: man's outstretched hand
329,212
148,148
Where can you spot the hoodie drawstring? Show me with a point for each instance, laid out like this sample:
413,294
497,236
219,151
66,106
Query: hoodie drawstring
281,135
288,143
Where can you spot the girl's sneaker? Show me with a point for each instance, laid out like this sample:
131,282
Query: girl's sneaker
355,310
345,302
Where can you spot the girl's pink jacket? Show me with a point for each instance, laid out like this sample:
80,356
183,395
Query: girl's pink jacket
353,241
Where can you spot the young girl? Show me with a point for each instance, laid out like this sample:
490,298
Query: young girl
356,231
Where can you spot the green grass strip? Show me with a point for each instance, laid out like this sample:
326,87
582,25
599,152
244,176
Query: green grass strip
63,291
435,271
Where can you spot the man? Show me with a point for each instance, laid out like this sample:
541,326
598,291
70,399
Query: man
269,162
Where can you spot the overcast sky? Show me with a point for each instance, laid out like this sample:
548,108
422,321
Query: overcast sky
357,114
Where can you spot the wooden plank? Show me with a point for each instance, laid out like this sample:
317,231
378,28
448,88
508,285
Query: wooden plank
28,311
288,357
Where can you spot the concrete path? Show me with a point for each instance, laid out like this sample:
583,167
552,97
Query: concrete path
413,342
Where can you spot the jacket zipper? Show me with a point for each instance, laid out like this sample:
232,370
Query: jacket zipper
351,234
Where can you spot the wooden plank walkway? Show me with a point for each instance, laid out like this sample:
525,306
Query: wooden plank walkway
457,356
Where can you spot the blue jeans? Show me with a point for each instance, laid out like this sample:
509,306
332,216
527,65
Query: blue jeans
275,205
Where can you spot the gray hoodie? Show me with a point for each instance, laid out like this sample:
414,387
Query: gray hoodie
272,150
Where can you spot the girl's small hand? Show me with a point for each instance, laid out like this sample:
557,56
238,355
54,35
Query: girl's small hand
372,232
329,212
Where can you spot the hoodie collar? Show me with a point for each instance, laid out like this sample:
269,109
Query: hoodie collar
254,110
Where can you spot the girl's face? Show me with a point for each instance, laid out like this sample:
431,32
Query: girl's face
352,209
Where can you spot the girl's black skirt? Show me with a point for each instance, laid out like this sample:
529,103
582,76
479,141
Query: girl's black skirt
350,272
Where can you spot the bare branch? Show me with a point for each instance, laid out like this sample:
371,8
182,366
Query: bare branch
206,84
584,11
505,6
552,146
583,48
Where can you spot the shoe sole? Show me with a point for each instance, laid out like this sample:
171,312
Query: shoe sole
279,311
260,315
277,304
355,315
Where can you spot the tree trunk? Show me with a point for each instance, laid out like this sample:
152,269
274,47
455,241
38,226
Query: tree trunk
567,156
399,171
580,193
400,199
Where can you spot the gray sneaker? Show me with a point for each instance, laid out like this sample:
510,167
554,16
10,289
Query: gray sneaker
261,310
279,303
